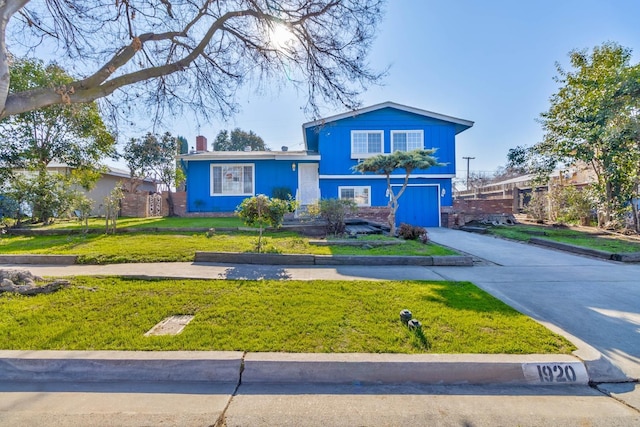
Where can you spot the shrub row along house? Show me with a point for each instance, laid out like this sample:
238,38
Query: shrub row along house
219,181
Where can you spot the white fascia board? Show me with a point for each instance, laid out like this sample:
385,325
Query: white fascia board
242,156
301,157
421,176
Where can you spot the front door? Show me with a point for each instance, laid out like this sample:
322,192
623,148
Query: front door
308,184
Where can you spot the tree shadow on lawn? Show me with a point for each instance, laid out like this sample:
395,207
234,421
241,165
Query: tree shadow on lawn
254,272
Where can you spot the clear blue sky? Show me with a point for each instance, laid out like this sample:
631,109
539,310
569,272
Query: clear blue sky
490,61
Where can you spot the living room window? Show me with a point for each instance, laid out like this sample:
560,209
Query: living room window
360,195
232,179
406,140
366,143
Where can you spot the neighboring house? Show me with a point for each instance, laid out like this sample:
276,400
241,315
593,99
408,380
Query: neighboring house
107,182
219,181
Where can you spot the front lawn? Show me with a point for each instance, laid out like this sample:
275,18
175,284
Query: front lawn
605,242
286,316
151,222
175,247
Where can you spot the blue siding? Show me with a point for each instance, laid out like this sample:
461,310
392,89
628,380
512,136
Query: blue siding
269,174
334,139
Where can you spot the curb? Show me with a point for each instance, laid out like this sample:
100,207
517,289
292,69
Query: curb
100,366
288,368
620,257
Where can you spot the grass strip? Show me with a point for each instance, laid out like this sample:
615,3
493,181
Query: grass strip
602,242
113,313
174,247
150,222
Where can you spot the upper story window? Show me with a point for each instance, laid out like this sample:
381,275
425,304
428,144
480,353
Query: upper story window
366,143
406,140
232,179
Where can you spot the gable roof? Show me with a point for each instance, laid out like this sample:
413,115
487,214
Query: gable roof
460,124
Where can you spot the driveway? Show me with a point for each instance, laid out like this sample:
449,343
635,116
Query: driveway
595,303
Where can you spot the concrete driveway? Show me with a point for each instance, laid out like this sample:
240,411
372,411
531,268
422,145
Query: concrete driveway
596,303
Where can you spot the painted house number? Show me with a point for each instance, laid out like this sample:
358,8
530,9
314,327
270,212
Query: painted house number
562,373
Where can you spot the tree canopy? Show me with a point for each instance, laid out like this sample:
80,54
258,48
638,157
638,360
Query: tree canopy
196,54
594,119
238,140
154,156
385,164
71,134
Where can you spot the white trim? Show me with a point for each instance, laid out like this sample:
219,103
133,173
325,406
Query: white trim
438,198
420,131
243,156
378,176
243,165
354,113
354,187
367,154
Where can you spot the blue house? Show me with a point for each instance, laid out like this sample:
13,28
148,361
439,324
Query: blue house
219,181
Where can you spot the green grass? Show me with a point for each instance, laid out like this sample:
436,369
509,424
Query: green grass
157,222
174,247
285,316
603,242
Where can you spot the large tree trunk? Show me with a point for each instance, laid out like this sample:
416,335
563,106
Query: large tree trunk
170,204
7,9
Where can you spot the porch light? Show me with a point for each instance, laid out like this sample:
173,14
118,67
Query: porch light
293,167
443,192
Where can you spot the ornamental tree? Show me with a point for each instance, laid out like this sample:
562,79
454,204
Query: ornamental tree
386,164
263,212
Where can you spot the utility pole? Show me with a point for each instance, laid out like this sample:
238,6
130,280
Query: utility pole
468,159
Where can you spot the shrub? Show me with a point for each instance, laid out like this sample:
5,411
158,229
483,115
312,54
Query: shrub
335,211
412,232
282,193
262,211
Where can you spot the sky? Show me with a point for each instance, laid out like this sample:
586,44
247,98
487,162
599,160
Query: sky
491,62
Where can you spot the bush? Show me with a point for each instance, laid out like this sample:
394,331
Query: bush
262,211
335,212
282,193
412,232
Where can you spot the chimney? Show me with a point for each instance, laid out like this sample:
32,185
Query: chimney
201,143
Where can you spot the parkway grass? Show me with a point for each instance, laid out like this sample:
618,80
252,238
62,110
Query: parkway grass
603,242
112,313
176,247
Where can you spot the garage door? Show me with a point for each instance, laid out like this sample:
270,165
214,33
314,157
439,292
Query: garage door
419,206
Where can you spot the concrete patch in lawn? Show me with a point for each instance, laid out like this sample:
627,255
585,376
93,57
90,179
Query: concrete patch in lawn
172,325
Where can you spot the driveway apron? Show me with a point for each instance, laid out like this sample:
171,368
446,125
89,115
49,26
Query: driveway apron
595,303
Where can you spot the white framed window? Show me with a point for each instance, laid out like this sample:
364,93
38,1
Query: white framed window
366,143
406,140
232,179
361,195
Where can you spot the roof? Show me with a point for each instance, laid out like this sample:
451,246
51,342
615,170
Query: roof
110,170
460,124
249,155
